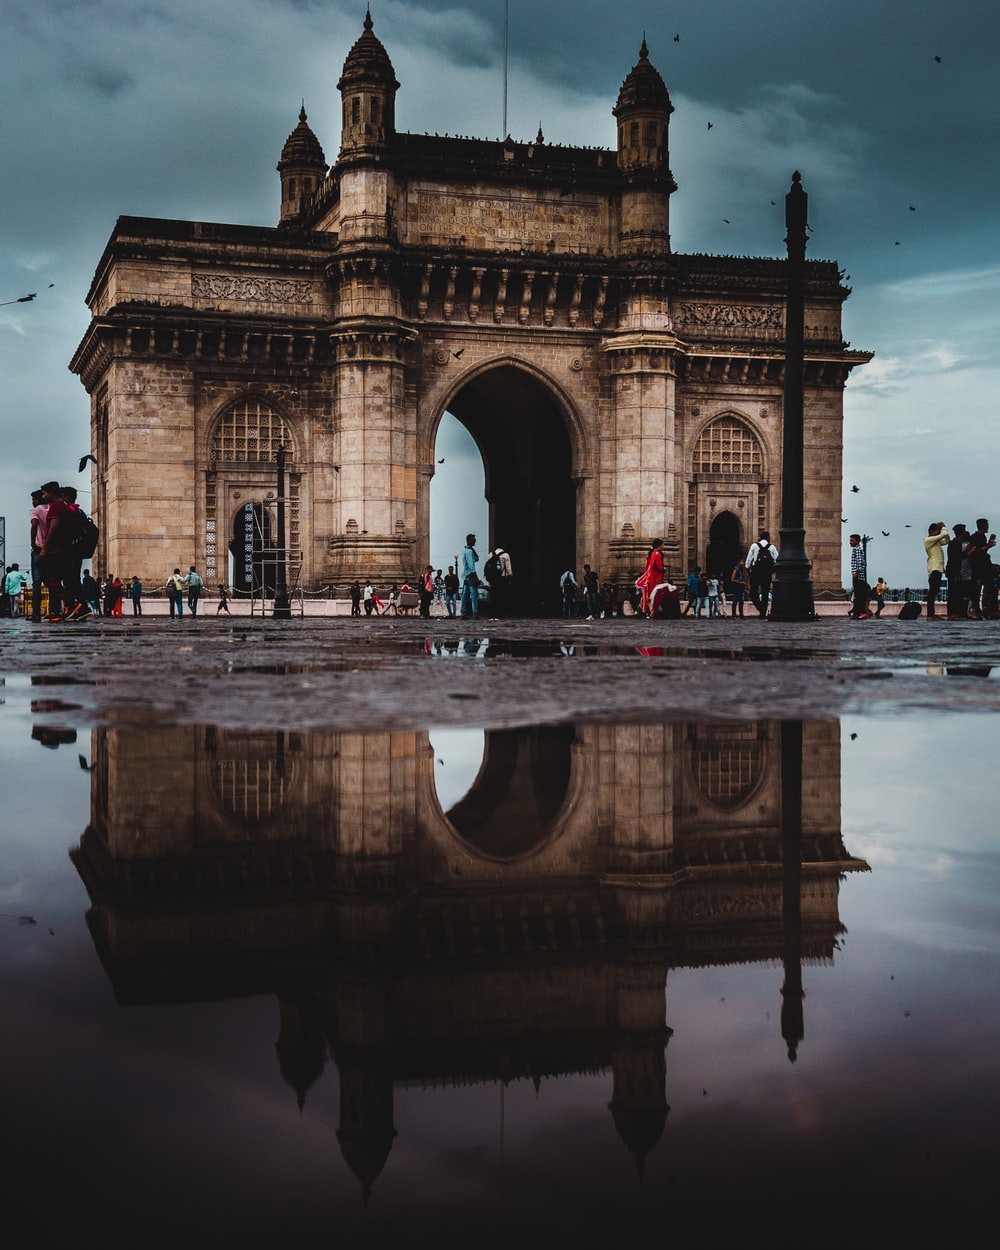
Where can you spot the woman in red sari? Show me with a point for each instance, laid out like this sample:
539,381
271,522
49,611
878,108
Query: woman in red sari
652,575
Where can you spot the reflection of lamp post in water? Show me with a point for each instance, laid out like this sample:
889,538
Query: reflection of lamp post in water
282,608
792,993
792,592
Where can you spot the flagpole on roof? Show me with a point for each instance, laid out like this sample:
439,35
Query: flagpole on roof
506,45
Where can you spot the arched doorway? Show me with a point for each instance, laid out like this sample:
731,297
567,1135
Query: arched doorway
725,545
525,446
727,492
240,498
252,549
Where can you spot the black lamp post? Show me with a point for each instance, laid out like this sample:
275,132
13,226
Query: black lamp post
792,591
282,608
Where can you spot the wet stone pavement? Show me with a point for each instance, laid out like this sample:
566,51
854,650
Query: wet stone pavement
389,933
404,673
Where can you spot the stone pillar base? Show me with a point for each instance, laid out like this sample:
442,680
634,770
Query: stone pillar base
381,558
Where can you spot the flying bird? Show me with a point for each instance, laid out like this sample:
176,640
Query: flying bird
458,354
855,490
83,763
441,461
677,38
938,59
843,520
83,462
885,533
726,220
913,208
710,125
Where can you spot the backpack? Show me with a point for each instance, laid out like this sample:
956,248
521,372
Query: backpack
703,587
493,569
764,558
81,533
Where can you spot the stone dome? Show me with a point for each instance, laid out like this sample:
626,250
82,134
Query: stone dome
302,147
644,88
367,62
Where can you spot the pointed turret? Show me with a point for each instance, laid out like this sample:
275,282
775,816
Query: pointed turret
643,115
368,89
302,168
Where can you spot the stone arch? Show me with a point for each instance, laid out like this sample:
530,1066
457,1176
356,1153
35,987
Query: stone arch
727,476
515,800
242,441
525,812
535,454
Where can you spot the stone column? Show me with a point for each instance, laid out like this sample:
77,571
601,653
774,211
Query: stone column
640,455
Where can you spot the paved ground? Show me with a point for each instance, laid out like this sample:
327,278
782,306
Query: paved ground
335,673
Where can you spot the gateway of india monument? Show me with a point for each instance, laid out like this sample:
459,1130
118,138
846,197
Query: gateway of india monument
618,391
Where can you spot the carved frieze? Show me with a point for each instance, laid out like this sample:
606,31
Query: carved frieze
753,318
223,286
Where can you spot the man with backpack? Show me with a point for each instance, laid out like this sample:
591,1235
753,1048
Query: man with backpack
59,567
759,563
497,571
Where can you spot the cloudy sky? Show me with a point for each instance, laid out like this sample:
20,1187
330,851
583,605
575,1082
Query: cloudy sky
179,108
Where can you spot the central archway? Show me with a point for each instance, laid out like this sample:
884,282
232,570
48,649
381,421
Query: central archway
527,457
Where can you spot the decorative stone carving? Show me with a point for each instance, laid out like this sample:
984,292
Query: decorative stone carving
221,286
753,317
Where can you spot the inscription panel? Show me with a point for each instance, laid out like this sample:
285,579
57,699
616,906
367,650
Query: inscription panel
485,220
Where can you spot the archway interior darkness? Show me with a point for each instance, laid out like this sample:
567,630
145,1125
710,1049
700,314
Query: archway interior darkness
724,545
519,792
526,454
252,550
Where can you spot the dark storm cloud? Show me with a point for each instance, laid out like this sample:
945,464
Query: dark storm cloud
108,80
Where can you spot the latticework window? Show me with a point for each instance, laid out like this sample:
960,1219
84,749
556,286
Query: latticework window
250,432
250,789
727,446
727,771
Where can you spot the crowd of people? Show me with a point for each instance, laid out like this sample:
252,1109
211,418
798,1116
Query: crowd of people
59,588
962,556
455,593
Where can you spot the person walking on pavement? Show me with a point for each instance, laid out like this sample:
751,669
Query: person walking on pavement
759,563
470,578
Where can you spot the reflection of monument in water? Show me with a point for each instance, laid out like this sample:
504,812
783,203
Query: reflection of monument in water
527,933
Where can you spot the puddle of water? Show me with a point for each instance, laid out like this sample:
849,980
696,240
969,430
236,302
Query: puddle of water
493,648
290,971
